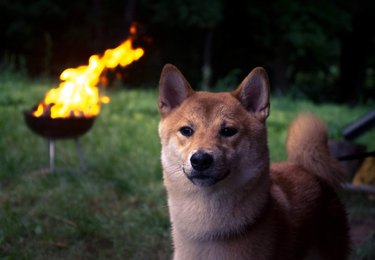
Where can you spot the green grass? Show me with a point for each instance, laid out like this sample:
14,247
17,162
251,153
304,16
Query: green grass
116,209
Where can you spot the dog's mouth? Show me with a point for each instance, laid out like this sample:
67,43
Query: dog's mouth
205,178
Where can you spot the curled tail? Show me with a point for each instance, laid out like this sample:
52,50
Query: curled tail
307,144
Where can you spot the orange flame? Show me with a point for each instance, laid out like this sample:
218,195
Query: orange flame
78,94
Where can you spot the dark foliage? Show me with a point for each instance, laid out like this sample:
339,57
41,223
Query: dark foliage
320,49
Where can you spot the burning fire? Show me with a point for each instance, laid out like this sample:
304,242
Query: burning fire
78,94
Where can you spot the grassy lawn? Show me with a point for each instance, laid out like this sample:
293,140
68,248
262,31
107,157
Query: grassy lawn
116,209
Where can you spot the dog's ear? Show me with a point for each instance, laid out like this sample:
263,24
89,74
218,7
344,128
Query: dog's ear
253,93
173,89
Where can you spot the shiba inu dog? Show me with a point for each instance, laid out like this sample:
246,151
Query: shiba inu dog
226,201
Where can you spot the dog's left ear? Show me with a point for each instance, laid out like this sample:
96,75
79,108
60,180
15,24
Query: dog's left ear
253,93
173,89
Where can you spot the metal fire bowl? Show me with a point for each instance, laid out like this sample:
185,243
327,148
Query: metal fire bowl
58,128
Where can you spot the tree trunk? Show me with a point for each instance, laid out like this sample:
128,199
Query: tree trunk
355,49
280,66
129,12
206,69
98,41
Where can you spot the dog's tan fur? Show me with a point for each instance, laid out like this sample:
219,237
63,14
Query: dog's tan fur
245,208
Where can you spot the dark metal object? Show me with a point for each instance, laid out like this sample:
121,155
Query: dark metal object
360,126
51,153
366,188
355,129
59,128
356,156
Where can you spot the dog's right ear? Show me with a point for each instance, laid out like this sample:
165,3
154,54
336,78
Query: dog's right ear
173,89
254,93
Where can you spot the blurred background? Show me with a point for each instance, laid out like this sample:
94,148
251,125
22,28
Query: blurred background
322,50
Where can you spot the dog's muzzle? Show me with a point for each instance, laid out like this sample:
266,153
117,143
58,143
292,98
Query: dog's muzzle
203,172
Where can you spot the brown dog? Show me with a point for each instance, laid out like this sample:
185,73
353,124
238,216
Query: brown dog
225,199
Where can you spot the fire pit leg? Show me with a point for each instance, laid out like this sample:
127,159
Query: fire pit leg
80,154
51,152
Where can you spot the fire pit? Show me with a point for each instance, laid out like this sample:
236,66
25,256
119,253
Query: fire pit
58,128
69,110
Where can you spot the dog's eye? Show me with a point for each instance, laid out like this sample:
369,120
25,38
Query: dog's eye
186,131
228,131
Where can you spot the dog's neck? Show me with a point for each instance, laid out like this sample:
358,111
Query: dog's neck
210,214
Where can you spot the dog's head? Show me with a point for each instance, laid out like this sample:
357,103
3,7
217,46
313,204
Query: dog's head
211,137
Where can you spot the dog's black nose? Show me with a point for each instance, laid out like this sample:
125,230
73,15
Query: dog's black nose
201,161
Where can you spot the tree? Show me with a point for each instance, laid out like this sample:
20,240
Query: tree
306,41
204,15
357,45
